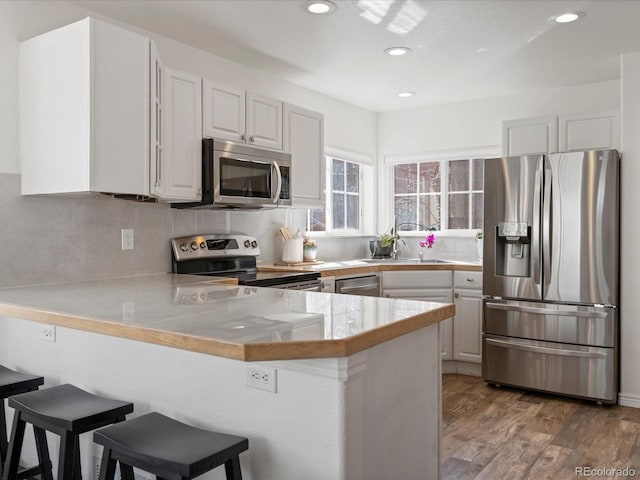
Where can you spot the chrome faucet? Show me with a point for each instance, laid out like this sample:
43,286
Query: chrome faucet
394,232
395,251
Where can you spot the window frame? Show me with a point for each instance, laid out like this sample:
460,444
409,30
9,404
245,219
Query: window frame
391,160
364,162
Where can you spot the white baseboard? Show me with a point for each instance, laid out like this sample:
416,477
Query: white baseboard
629,400
464,368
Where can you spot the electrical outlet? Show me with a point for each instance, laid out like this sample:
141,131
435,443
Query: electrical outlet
262,378
48,333
127,239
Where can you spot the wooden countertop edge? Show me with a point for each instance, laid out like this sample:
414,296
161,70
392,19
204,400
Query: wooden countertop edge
347,346
354,270
246,352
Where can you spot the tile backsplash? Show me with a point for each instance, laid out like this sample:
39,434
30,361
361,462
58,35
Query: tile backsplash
47,239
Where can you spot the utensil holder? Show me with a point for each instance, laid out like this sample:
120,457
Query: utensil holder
292,250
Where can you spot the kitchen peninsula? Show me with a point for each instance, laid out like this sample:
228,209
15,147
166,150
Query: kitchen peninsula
356,379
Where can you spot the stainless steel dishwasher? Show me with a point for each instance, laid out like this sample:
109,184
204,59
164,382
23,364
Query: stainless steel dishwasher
366,285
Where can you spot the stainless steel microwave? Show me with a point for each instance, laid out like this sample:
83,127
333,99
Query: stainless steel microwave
242,176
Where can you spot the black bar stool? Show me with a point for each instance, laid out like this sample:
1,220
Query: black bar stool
168,449
68,412
14,383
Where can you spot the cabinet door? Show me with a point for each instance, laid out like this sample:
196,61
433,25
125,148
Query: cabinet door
467,326
264,121
156,117
590,132
304,140
180,173
224,112
530,135
439,295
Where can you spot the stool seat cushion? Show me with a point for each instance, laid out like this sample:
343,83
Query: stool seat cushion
12,383
157,443
70,408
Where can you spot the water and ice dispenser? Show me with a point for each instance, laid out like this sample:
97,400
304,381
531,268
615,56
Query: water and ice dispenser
513,241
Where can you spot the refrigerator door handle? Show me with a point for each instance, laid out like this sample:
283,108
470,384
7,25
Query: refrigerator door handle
546,226
535,234
546,311
545,350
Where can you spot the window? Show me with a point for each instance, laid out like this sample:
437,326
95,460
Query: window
439,195
344,199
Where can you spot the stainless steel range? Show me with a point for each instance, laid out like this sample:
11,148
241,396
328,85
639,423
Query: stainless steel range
233,255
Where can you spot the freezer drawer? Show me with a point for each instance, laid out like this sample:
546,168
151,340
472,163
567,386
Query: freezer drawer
582,325
587,372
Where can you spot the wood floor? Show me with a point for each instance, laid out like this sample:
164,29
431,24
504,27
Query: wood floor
492,433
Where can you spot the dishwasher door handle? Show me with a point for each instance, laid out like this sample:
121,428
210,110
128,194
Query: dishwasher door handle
368,286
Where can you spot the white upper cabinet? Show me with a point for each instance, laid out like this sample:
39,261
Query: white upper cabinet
84,110
224,112
529,136
92,113
264,121
589,131
179,176
241,116
304,140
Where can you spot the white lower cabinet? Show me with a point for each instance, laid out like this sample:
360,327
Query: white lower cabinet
467,326
428,286
460,336
467,322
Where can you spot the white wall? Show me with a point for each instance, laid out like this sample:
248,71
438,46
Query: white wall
73,238
630,232
479,123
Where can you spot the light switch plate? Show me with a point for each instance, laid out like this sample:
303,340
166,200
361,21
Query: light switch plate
127,239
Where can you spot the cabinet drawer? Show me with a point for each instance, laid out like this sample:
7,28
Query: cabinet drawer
471,280
417,279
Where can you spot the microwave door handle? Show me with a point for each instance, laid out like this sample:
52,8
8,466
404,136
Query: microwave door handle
276,167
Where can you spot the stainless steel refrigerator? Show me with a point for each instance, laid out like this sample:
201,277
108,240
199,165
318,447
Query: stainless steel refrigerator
551,273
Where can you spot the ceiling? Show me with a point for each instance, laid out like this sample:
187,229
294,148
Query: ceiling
461,49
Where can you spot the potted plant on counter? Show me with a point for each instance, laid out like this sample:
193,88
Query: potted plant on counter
309,249
382,246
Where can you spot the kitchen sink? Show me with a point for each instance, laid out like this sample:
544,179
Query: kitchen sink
408,260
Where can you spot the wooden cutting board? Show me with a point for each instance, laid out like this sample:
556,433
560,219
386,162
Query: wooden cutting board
300,264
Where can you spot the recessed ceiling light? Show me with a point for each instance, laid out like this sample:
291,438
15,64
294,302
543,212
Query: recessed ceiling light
568,17
320,6
406,94
397,51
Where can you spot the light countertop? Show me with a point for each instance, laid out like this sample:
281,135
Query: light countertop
201,314
351,267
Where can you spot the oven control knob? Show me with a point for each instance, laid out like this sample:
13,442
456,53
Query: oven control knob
184,247
247,244
254,244
194,245
203,245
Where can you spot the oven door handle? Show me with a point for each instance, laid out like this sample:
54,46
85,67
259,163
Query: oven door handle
545,311
544,350
276,196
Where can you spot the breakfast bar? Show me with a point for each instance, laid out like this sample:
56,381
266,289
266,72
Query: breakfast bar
325,386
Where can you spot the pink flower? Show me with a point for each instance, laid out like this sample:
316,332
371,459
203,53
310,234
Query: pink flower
429,241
